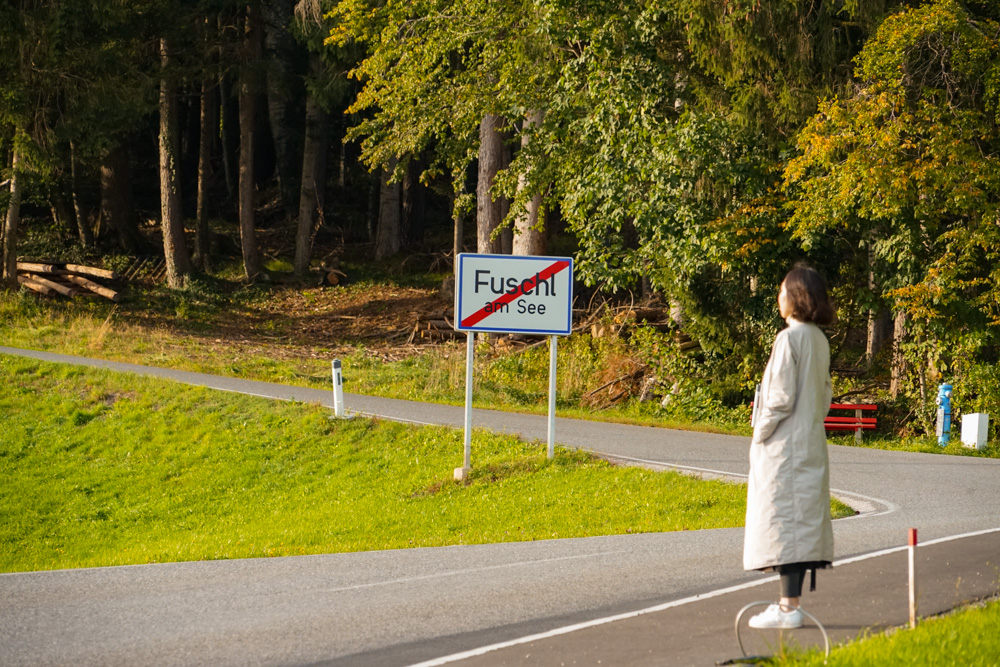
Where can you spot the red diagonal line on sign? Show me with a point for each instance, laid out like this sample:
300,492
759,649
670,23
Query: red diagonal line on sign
546,273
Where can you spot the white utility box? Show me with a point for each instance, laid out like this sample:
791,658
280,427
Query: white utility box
975,428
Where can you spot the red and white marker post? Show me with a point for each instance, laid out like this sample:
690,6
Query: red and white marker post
913,577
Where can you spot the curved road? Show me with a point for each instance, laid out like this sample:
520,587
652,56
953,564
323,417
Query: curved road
407,606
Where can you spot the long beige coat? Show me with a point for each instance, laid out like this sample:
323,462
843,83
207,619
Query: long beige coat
788,499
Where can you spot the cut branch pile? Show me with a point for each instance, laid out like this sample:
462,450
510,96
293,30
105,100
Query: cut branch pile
618,389
66,279
432,331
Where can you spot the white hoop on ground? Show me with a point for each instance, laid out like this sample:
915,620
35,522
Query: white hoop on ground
739,617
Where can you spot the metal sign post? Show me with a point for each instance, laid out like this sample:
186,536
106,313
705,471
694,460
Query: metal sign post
512,294
553,342
470,352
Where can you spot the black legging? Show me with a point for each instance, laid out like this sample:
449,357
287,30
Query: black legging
793,575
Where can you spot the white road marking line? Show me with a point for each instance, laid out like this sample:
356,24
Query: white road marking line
472,570
590,624
455,657
869,500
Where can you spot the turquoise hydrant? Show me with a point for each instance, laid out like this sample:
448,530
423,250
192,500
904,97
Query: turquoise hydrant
944,414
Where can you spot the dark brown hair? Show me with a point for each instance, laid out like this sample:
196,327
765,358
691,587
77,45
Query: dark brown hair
806,292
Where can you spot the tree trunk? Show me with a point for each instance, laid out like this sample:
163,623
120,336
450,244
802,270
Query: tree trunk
899,365
388,238
226,136
116,203
342,165
225,132
488,209
313,179
206,132
676,313
528,236
879,320
879,330
506,232
248,234
82,225
374,198
11,224
208,121
414,203
279,50
60,213
178,261
458,230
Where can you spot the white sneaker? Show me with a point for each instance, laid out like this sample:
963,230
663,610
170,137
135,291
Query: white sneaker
774,618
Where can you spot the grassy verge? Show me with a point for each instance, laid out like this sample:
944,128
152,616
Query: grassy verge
967,638
920,444
240,332
108,469
197,330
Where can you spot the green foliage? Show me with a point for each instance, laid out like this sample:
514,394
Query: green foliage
907,169
657,180
44,239
71,72
774,60
419,77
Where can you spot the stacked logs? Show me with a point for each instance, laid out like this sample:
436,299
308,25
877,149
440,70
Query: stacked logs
66,279
433,330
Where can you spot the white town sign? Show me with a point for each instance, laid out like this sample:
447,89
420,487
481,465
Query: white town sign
514,294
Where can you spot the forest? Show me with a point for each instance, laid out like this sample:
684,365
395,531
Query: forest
687,152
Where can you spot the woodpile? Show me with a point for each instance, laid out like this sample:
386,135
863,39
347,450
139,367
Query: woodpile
330,272
685,343
628,384
65,279
433,330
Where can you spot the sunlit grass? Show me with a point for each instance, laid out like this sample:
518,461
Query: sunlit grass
504,379
967,638
102,468
927,444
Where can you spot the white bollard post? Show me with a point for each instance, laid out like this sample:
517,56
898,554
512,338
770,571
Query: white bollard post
338,390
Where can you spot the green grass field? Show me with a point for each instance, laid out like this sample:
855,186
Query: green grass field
109,469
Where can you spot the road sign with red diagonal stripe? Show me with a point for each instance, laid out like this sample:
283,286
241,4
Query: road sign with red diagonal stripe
514,294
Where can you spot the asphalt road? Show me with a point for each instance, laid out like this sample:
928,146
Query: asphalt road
407,606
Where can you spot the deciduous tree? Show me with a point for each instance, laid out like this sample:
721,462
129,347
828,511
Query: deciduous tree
911,160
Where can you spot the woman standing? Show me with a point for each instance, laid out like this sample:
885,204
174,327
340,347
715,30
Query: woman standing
788,525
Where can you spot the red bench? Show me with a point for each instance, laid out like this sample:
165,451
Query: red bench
857,423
